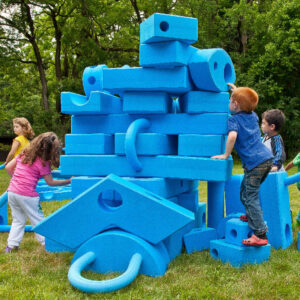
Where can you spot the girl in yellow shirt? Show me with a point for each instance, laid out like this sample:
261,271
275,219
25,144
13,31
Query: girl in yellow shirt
24,131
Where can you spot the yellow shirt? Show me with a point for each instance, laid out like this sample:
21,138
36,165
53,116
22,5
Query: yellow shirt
23,143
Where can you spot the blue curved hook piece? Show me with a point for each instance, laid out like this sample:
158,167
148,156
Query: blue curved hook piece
3,199
292,179
130,139
102,286
2,166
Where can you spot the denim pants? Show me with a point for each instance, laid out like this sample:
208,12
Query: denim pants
249,196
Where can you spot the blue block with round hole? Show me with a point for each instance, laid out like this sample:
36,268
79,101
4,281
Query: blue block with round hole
210,123
149,144
175,81
211,70
95,143
200,215
221,228
97,103
196,102
147,103
189,200
236,231
239,255
164,187
200,145
95,214
166,166
164,54
199,239
162,27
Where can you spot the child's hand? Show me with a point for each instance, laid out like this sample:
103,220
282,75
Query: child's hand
274,169
233,87
222,156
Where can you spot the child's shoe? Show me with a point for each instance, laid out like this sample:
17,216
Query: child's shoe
244,218
255,241
9,249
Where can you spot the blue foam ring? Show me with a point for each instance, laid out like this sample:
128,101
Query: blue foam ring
292,179
130,149
3,199
2,166
102,286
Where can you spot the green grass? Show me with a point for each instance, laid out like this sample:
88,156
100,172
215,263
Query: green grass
32,273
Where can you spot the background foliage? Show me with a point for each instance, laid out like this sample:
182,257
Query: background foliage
45,46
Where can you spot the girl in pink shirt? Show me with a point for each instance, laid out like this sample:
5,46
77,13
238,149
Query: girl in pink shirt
34,162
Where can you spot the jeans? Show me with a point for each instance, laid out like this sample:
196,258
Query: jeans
249,196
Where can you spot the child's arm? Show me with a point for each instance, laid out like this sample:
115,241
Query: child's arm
12,151
10,167
50,181
289,165
232,135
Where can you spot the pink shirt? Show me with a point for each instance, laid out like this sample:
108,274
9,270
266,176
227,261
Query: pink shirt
25,177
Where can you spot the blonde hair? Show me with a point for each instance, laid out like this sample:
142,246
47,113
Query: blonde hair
246,98
26,127
44,147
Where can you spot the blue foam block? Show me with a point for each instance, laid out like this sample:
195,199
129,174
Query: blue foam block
200,215
53,246
3,213
159,123
147,102
199,239
149,144
211,70
182,167
7,228
97,143
175,81
164,187
200,145
97,103
232,195
238,255
204,102
299,240
96,214
44,188
115,248
162,27
189,200
236,231
221,228
57,194
165,54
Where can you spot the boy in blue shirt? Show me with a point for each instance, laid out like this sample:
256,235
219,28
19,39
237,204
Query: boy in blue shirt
257,159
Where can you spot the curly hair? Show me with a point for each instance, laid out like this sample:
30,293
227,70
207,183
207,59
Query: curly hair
45,146
274,116
246,98
26,127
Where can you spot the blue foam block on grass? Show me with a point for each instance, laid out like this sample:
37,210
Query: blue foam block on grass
147,102
162,27
149,144
200,145
236,231
97,143
204,102
239,255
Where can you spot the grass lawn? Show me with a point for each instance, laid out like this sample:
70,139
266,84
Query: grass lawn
32,273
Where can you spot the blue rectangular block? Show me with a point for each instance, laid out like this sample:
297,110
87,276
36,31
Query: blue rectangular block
149,144
157,166
147,102
200,215
162,27
200,145
3,214
97,103
199,239
236,231
174,81
238,255
204,102
189,200
97,143
167,123
164,55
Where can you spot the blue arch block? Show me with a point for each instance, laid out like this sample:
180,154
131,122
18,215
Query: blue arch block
162,27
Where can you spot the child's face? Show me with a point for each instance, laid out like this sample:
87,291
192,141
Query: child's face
18,130
266,127
233,106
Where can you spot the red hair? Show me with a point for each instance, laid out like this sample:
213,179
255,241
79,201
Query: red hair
246,98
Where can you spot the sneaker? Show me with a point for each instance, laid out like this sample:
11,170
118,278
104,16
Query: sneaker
9,249
255,241
244,218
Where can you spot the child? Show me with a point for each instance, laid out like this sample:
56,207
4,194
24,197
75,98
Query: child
244,135
26,169
291,164
23,130
272,121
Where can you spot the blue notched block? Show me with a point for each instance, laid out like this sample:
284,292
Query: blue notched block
162,27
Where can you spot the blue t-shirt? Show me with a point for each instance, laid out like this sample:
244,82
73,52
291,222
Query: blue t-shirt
248,144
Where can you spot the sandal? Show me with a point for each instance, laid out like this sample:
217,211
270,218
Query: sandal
244,218
255,241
